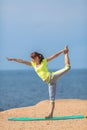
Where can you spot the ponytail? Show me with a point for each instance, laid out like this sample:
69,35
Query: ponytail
41,57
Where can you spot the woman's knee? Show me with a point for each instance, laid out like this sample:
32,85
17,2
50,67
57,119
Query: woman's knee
68,67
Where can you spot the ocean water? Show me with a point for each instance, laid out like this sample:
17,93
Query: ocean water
21,88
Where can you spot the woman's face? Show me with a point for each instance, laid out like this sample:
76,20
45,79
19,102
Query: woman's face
35,59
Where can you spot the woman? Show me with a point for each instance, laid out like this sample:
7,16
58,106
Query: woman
39,63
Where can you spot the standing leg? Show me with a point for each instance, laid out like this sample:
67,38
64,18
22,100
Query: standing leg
52,92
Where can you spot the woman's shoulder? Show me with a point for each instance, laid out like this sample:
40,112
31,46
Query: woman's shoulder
44,60
33,63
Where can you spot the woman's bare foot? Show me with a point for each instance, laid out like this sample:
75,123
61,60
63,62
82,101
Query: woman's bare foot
49,116
66,50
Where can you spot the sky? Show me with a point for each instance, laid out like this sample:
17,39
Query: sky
46,26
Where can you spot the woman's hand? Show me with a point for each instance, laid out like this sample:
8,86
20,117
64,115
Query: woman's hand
10,59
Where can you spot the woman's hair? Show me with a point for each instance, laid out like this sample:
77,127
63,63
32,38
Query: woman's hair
36,54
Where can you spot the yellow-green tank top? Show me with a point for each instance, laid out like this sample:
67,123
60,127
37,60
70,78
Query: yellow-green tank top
42,69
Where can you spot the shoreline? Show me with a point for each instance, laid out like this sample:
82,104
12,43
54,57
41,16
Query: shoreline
67,99
63,107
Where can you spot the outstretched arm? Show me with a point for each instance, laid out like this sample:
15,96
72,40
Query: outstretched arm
20,61
57,54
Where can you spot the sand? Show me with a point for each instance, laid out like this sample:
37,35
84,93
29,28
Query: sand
63,107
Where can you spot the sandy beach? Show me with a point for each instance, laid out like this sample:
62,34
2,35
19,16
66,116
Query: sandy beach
63,107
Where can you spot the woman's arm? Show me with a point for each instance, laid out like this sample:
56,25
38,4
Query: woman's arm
20,61
57,54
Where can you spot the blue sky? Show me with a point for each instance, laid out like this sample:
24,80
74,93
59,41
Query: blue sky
45,26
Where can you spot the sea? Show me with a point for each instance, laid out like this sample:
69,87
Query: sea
22,88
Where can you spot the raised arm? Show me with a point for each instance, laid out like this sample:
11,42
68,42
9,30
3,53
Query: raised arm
20,61
57,54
